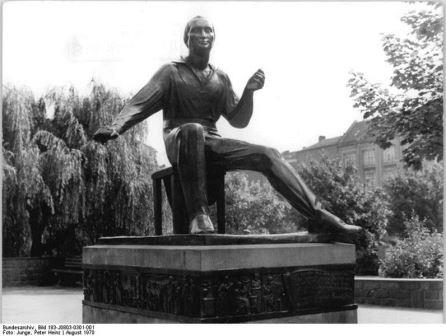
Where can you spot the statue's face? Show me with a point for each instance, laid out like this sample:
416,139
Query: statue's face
201,35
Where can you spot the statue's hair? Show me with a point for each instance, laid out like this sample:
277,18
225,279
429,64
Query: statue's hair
189,24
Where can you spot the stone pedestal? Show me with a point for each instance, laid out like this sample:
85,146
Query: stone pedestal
141,281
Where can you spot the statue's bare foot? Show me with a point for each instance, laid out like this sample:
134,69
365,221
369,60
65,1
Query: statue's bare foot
201,224
329,223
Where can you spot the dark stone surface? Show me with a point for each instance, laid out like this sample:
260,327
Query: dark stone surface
218,239
221,296
410,293
25,271
433,304
98,313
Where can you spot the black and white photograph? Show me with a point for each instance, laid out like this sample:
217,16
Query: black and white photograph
221,162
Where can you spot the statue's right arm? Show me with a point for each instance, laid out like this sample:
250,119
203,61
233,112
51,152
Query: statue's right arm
149,100
239,111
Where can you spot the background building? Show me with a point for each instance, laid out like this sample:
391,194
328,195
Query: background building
355,146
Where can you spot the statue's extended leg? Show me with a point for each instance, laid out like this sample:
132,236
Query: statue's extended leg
285,180
233,154
186,150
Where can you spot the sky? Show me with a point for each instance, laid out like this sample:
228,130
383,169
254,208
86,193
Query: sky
306,49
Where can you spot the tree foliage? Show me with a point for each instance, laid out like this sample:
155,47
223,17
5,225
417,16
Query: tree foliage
63,190
256,208
23,186
416,193
412,105
341,192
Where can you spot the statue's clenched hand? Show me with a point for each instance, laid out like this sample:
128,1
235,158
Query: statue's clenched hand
257,81
104,134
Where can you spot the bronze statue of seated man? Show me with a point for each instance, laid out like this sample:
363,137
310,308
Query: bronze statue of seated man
193,94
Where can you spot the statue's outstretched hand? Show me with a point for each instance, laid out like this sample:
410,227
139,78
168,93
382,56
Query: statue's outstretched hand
104,134
257,81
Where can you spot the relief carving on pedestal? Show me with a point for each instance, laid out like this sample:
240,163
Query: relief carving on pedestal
220,295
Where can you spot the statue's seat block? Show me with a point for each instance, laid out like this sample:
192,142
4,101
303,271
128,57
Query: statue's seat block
257,282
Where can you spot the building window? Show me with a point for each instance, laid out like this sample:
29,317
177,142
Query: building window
369,157
370,177
389,172
349,159
389,154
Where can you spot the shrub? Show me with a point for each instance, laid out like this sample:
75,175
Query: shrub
418,255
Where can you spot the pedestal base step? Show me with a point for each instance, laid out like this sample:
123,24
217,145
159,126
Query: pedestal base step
97,313
219,239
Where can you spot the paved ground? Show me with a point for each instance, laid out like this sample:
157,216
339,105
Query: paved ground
379,314
63,305
42,305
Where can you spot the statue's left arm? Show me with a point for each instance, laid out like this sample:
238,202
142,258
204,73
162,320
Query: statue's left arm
239,111
145,103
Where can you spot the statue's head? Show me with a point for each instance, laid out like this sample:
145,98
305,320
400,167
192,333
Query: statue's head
199,34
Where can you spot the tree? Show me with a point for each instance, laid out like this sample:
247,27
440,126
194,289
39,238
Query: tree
412,105
63,189
26,197
341,192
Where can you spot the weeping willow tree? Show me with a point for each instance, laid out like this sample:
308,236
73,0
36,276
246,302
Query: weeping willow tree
25,195
63,190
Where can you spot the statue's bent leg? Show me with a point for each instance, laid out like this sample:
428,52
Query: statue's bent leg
233,154
186,150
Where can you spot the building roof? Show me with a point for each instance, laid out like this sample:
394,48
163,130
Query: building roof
324,143
357,132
